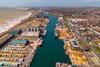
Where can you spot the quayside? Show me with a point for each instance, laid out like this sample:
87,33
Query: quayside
52,50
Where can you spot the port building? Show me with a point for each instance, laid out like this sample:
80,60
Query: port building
22,42
16,32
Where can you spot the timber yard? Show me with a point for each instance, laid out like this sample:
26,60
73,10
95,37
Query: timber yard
52,37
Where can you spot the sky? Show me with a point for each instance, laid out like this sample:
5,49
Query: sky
47,3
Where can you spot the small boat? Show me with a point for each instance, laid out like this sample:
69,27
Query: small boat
40,42
45,32
56,25
66,52
56,35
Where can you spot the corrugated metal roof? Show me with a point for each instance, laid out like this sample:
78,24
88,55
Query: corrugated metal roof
19,42
15,32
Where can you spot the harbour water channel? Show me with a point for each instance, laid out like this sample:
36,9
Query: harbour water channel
52,50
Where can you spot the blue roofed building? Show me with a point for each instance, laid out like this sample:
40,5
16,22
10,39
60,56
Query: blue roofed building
23,42
16,32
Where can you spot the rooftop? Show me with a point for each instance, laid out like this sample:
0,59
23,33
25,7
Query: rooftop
19,42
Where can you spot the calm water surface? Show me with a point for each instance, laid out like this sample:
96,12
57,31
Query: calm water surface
52,50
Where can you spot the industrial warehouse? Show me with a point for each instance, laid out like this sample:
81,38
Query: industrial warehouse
21,43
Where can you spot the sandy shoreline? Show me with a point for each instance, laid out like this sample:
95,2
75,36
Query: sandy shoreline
1,21
11,23
7,14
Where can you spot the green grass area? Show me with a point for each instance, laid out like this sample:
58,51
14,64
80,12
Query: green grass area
83,43
95,49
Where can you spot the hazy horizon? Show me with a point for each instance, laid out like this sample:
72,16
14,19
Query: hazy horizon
48,3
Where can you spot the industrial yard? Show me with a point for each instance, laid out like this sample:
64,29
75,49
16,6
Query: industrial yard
21,42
